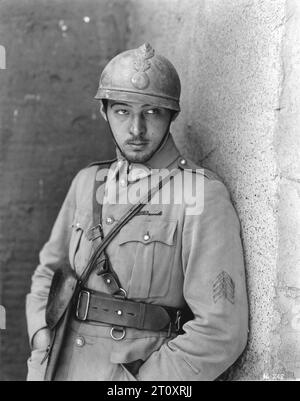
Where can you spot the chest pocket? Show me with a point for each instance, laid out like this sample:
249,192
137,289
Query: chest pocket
80,247
149,247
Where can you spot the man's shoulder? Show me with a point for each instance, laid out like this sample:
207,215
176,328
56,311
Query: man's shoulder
84,181
87,174
188,165
214,192
103,163
94,166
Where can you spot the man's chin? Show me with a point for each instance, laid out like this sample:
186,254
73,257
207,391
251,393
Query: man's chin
137,157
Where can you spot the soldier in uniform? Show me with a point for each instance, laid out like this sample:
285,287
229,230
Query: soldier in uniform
166,258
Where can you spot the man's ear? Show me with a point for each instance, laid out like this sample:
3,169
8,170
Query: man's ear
102,111
175,115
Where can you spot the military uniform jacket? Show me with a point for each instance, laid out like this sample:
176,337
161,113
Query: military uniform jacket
164,256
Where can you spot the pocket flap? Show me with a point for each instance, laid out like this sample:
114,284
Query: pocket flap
148,231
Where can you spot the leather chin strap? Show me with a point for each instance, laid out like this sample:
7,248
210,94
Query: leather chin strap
159,147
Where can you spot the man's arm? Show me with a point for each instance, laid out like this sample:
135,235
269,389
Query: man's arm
53,254
214,289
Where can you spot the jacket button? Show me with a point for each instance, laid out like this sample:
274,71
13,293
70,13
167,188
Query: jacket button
77,225
110,220
183,162
123,183
80,341
146,237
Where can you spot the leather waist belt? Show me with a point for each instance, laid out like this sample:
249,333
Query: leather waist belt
104,308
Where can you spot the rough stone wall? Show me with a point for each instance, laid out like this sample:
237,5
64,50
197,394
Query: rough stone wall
49,129
286,340
239,64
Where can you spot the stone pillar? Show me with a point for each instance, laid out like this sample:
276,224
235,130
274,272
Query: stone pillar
240,69
286,327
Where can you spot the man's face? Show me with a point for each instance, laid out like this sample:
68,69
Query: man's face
138,128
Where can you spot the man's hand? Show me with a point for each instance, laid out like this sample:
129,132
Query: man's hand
41,339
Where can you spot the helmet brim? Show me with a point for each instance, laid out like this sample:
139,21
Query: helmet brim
137,97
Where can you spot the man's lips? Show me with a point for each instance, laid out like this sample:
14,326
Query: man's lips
137,143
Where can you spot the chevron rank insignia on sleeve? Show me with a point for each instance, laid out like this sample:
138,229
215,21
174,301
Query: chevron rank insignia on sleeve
223,288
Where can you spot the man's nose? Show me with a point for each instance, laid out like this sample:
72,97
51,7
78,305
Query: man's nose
137,126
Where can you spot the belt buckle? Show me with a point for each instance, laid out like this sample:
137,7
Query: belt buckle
86,307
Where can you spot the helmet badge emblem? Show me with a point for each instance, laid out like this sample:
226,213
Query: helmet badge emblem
140,80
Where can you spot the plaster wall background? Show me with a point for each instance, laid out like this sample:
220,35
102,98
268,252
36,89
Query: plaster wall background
50,128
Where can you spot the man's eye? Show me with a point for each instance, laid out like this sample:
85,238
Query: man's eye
121,112
152,111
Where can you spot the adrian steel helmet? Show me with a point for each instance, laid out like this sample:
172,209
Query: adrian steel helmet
140,75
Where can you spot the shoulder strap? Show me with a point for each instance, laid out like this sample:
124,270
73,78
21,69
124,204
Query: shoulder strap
95,233
186,164
103,162
128,215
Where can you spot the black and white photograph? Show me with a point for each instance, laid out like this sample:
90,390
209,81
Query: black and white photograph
149,193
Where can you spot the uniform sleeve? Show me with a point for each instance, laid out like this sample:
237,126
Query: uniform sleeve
53,254
214,289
